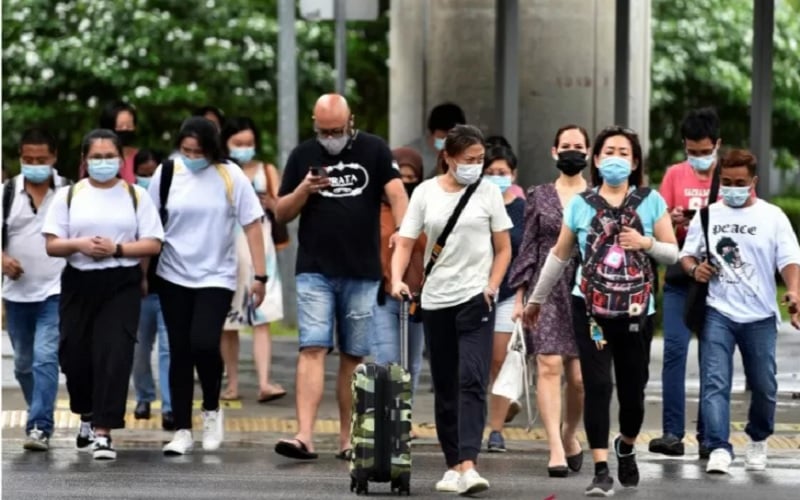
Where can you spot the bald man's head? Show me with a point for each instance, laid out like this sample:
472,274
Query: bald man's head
331,113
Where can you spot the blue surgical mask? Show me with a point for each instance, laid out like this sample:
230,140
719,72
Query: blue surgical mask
735,196
103,169
615,170
468,173
36,174
243,155
702,163
501,181
195,164
438,143
143,181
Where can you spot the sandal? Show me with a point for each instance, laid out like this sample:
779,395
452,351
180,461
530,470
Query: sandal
229,395
294,448
346,455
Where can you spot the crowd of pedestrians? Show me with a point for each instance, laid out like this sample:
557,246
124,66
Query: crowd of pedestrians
178,251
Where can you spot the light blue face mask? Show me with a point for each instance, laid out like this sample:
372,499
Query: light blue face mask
614,170
195,164
143,181
702,163
501,181
102,169
36,174
438,143
243,155
735,196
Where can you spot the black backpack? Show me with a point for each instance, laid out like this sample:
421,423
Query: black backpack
616,283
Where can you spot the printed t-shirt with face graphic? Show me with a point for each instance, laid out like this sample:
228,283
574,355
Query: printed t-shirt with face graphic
339,230
747,246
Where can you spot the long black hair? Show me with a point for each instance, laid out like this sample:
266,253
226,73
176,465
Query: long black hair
458,139
205,132
108,117
496,153
99,134
636,178
235,125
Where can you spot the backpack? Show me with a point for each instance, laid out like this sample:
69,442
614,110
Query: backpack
615,283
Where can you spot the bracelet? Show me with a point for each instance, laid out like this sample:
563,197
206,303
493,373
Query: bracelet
693,269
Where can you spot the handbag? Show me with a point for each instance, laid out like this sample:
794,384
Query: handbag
513,379
694,309
415,308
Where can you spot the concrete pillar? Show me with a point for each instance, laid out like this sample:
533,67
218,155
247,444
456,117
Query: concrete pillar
641,48
407,56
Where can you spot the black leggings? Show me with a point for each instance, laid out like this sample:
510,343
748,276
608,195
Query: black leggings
194,318
630,351
99,317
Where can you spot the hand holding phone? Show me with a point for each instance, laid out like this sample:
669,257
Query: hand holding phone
318,171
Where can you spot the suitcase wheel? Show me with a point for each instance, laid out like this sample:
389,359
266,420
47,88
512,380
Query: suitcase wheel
360,487
402,485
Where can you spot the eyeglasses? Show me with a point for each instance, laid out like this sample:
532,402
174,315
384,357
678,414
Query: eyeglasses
331,132
617,129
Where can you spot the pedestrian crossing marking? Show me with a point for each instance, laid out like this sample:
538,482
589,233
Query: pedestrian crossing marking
65,420
63,404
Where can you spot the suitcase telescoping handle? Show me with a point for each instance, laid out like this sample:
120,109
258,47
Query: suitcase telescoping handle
405,303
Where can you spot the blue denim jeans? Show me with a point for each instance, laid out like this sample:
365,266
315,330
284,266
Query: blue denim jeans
756,342
386,339
33,329
151,324
323,302
673,373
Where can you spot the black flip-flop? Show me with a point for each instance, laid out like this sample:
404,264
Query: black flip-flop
346,455
295,449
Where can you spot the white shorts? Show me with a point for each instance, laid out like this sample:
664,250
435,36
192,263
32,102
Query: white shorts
502,315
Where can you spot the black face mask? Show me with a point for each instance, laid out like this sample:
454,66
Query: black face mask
126,137
410,187
571,162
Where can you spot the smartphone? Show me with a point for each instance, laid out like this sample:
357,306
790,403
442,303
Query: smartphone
689,214
318,171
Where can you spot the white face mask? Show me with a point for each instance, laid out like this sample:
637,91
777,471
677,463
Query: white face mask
467,173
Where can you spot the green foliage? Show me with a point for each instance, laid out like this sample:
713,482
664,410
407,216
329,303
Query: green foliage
702,56
63,60
791,207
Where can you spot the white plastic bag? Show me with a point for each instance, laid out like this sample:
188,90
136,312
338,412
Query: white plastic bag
513,377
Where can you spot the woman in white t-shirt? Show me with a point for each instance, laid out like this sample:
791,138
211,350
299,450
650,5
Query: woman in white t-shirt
458,297
240,141
103,226
196,275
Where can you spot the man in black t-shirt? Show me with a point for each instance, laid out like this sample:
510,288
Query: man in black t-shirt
335,183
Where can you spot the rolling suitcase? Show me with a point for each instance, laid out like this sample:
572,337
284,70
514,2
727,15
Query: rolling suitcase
380,428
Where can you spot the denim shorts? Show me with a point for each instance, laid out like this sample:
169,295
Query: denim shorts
323,302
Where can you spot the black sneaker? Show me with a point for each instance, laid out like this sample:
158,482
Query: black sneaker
167,421
628,471
496,443
102,448
667,445
85,437
142,411
703,452
601,486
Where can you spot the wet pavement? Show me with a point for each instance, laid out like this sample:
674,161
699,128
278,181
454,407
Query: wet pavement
247,467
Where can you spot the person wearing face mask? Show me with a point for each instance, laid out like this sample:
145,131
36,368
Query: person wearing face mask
500,168
121,118
31,282
685,189
103,227
240,141
619,227
552,341
151,325
335,182
441,119
748,239
386,340
458,295
204,200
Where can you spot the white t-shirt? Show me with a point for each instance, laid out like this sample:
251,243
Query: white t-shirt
747,246
42,273
199,246
108,213
463,268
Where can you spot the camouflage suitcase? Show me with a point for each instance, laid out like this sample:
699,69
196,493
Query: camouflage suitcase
381,422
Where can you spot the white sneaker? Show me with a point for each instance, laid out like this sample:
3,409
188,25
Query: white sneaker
756,457
449,482
213,429
719,462
181,444
471,482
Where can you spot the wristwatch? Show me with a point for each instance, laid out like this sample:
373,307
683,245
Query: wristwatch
262,279
118,251
693,269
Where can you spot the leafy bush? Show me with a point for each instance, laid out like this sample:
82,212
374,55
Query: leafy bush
791,206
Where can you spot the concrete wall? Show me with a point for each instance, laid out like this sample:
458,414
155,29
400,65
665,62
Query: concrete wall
566,69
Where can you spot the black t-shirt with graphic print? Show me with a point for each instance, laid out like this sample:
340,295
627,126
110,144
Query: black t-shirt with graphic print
339,234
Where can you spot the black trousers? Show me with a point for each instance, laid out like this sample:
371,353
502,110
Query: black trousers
194,318
459,340
630,352
99,317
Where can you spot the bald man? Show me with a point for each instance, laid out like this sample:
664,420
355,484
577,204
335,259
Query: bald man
335,182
